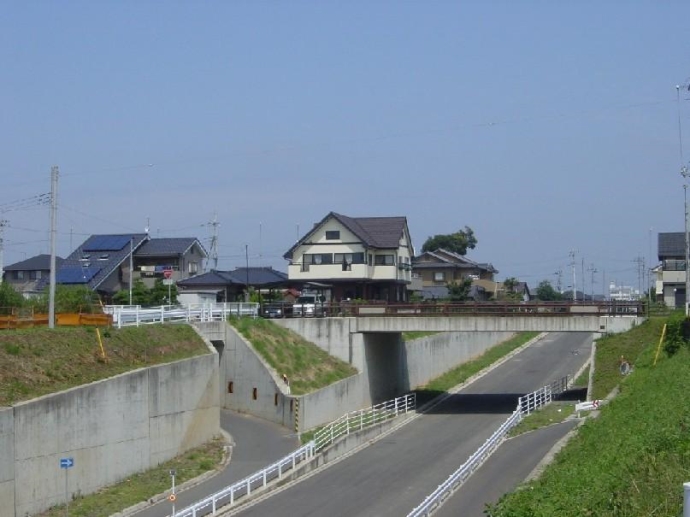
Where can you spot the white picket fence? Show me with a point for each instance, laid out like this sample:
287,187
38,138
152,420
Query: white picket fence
526,404
130,315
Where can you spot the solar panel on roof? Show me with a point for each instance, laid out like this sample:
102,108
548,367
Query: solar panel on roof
75,275
106,243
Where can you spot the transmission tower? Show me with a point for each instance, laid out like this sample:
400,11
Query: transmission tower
559,276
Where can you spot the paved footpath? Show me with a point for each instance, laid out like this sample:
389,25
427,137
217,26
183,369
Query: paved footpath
257,444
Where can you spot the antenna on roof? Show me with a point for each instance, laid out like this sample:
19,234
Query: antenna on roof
146,230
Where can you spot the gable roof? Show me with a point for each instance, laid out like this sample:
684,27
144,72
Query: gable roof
37,263
374,232
449,259
160,247
96,259
258,277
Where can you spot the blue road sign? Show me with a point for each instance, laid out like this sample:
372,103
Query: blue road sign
66,463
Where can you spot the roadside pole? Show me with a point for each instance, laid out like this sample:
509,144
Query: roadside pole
686,500
172,495
66,463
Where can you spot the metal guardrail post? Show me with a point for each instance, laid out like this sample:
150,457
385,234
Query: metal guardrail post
686,500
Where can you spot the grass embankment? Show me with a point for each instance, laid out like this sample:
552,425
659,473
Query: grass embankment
308,367
466,370
35,362
634,458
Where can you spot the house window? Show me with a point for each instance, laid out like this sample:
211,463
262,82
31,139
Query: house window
369,259
193,268
332,235
350,258
439,276
318,258
385,260
19,275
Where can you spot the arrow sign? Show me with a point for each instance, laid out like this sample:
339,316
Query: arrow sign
66,463
587,406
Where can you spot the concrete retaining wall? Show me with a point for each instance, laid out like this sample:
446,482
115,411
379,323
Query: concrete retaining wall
111,428
250,385
429,357
388,368
6,462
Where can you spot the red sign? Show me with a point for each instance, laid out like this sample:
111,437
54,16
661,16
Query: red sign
167,273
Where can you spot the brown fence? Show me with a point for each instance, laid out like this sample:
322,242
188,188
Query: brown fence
24,321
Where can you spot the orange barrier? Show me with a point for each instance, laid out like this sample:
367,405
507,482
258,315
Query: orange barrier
63,320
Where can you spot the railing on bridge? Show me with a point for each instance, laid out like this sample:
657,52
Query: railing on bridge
129,315
513,309
526,404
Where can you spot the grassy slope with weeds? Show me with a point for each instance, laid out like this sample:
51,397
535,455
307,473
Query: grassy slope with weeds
634,458
307,366
35,362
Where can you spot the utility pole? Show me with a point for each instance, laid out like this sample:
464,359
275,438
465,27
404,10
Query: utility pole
593,270
3,223
584,296
54,173
246,257
214,241
572,265
684,173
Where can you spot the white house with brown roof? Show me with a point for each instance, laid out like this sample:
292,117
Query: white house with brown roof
366,258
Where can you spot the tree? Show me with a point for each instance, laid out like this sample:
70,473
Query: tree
459,291
546,292
9,297
68,298
458,242
140,295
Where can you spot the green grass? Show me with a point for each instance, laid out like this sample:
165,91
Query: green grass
466,370
417,334
634,458
35,362
308,367
553,413
143,486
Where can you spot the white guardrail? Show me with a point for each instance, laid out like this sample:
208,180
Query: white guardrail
526,404
349,423
129,315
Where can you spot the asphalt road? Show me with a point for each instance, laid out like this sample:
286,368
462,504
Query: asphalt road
394,475
258,443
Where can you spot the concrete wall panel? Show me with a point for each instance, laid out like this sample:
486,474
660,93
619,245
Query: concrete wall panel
6,462
111,428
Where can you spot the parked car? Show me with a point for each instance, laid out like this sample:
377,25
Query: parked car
276,310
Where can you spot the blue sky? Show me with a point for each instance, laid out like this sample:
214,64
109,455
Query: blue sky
544,126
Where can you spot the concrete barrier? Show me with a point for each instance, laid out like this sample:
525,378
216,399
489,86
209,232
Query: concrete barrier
111,428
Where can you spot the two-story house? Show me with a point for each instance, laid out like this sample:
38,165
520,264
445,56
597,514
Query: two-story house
441,267
366,258
107,263
670,273
24,275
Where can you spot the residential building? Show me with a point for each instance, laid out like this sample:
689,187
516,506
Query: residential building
623,293
230,286
441,267
107,263
670,273
24,275
366,258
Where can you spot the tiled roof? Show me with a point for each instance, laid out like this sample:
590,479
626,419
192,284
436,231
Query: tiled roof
374,232
37,263
258,276
449,259
168,247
